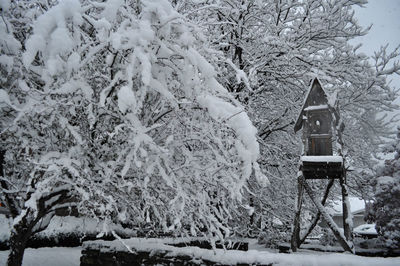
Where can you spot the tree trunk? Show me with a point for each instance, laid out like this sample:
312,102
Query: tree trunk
20,233
18,240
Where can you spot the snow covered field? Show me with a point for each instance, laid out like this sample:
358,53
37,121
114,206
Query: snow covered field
70,256
47,257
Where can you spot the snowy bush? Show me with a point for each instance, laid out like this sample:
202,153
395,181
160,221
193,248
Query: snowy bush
272,238
372,243
327,238
386,207
134,110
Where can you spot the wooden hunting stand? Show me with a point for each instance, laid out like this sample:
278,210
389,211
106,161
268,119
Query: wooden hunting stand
321,125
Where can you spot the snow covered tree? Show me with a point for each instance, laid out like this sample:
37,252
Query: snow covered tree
268,53
386,206
110,106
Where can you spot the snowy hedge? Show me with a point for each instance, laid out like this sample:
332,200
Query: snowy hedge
136,251
64,231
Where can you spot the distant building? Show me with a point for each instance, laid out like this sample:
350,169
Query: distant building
357,208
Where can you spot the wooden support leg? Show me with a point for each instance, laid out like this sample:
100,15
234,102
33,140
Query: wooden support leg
295,241
347,219
328,219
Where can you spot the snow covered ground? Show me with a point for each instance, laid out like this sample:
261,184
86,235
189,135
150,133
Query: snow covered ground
47,257
70,257
63,256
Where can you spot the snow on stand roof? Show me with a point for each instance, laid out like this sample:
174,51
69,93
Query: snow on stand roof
316,107
328,100
328,159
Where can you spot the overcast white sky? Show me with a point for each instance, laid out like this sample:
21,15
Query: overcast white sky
384,15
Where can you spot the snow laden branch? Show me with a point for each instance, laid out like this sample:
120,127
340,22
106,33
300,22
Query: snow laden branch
385,63
113,108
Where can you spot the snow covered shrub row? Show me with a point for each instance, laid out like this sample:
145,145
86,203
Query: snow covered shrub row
64,231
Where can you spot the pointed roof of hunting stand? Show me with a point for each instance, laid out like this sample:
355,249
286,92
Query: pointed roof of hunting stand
316,98
318,162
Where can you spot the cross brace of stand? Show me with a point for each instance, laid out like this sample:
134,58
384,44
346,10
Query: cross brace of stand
346,239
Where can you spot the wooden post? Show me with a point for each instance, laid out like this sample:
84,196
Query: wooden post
295,241
347,220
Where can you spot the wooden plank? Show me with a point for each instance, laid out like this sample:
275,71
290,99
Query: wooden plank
321,170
